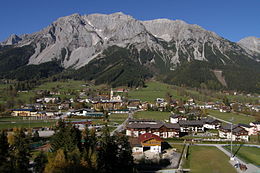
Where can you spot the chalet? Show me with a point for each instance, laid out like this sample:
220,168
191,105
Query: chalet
191,126
251,129
238,133
211,123
135,128
256,124
151,142
135,145
175,118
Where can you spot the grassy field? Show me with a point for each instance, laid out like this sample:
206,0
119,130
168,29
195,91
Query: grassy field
118,118
152,91
18,122
238,118
208,160
155,115
248,154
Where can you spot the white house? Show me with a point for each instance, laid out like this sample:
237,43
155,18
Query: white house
175,118
238,133
251,129
256,126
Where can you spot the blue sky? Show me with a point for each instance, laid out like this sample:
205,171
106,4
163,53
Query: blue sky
231,19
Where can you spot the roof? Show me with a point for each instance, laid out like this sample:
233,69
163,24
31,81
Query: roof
235,128
31,110
134,142
191,123
151,124
256,122
244,125
211,120
146,136
175,115
228,126
172,125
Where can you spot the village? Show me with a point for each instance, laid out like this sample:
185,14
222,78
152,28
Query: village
171,120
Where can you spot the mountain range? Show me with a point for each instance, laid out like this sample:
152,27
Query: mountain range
120,50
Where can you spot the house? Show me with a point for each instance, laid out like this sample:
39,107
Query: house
209,105
256,124
146,142
120,111
23,112
85,112
191,126
135,145
238,133
224,109
175,118
211,123
134,104
108,105
251,129
136,127
151,142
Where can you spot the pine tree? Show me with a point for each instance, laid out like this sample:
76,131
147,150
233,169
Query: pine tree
4,153
39,162
20,152
66,137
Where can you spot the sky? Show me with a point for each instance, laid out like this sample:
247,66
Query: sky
231,19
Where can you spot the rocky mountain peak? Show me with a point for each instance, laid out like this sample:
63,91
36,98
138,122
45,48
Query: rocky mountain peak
251,43
12,39
77,39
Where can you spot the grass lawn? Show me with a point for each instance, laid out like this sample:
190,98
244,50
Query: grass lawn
248,154
238,118
203,159
155,115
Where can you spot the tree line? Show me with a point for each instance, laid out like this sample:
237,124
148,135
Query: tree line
70,151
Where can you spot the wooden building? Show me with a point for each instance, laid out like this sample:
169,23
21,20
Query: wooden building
136,127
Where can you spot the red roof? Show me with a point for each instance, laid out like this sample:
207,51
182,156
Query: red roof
147,136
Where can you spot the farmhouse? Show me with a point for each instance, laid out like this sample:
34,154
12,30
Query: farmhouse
256,124
251,129
135,128
211,123
146,142
151,142
191,126
175,118
238,133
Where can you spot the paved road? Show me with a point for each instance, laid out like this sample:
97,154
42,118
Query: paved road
121,127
